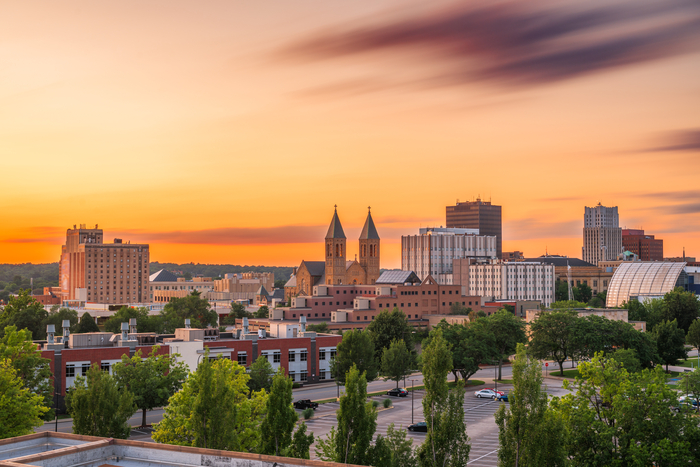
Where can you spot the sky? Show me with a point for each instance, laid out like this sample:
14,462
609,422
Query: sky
226,131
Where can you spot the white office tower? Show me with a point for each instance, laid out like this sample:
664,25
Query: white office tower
602,235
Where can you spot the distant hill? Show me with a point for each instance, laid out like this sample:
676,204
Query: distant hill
218,270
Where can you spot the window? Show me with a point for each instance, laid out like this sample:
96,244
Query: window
333,354
365,317
443,292
292,356
303,377
70,371
304,355
277,357
322,375
322,355
242,358
292,376
104,366
86,367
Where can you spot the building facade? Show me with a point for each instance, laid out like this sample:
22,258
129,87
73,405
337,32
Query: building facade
495,280
602,235
93,271
578,272
646,247
432,251
481,215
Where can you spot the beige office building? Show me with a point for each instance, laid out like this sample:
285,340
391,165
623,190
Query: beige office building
602,235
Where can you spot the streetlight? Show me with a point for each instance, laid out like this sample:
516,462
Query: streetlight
495,377
413,396
55,407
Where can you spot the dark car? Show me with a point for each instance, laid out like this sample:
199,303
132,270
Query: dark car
305,404
397,392
503,397
420,426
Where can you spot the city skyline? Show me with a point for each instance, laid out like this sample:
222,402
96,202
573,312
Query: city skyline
226,134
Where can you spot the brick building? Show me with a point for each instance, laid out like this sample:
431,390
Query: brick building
93,271
646,247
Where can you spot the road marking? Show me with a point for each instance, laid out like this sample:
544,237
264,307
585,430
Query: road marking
474,460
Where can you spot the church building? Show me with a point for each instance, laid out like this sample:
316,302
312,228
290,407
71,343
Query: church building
336,269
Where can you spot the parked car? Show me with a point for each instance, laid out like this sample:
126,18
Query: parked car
305,404
420,426
487,393
397,392
494,390
686,403
503,397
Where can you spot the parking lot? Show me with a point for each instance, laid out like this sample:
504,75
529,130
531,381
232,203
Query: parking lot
478,415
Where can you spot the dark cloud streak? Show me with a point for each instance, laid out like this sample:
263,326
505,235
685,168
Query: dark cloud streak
688,140
518,44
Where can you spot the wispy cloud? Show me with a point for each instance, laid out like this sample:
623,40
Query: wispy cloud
519,43
232,235
534,228
687,140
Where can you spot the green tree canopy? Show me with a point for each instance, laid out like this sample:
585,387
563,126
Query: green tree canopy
280,417
212,410
86,324
18,350
567,305
263,312
321,327
553,335
508,331
192,307
261,374
152,380
356,349
123,315
357,421
470,346
56,318
389,326
20,409
301,443
99,407
237,312
561,291
627,358
530,433
682,306
616,418
670,342
582,293
397,361
693,336
24,312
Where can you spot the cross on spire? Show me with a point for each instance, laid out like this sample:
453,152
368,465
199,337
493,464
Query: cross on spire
369,208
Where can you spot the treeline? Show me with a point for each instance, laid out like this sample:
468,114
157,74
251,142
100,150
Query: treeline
14,277
219,270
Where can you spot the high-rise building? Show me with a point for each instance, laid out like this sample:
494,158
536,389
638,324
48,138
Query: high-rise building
431,252
646,247
480,215
97,272
602,235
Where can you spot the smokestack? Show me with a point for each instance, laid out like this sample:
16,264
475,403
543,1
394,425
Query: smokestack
132,325
125,331
66,329
245,325
302,323
50,330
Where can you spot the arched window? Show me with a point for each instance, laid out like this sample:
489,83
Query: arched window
328,249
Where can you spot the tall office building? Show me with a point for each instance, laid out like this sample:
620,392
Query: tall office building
480,215
646,247
432,251
602,235
97,272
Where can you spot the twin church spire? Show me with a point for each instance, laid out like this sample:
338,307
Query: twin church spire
341,272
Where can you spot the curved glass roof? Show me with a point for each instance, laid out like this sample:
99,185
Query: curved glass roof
642,278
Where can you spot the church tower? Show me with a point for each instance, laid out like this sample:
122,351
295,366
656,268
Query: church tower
335,252
369,249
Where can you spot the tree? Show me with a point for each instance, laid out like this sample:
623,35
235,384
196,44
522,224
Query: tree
24,312
357,421
470,346
598,301
20,409
18,350
627,358
86,324
237,312
670,342
530,433
691,385
386,327
321,327
263,312
616,418
446,443
399,447
508,331
213,411
356,349
459,309
192,307
682,306
123,315
396,361
693,336
582,293
561,291
57,317
280,417
261,373
552,335
99,407
152,380
301,443
567,305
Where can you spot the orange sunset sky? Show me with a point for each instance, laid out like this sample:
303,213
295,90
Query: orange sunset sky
225,131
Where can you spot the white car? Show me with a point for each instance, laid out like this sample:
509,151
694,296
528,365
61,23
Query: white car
488,393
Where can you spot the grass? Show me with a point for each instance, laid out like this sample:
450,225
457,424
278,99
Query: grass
573,373
690,363
451,384
505,381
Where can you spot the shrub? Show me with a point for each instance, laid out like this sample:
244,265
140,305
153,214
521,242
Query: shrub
296,385
308,413
387,403
375,404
